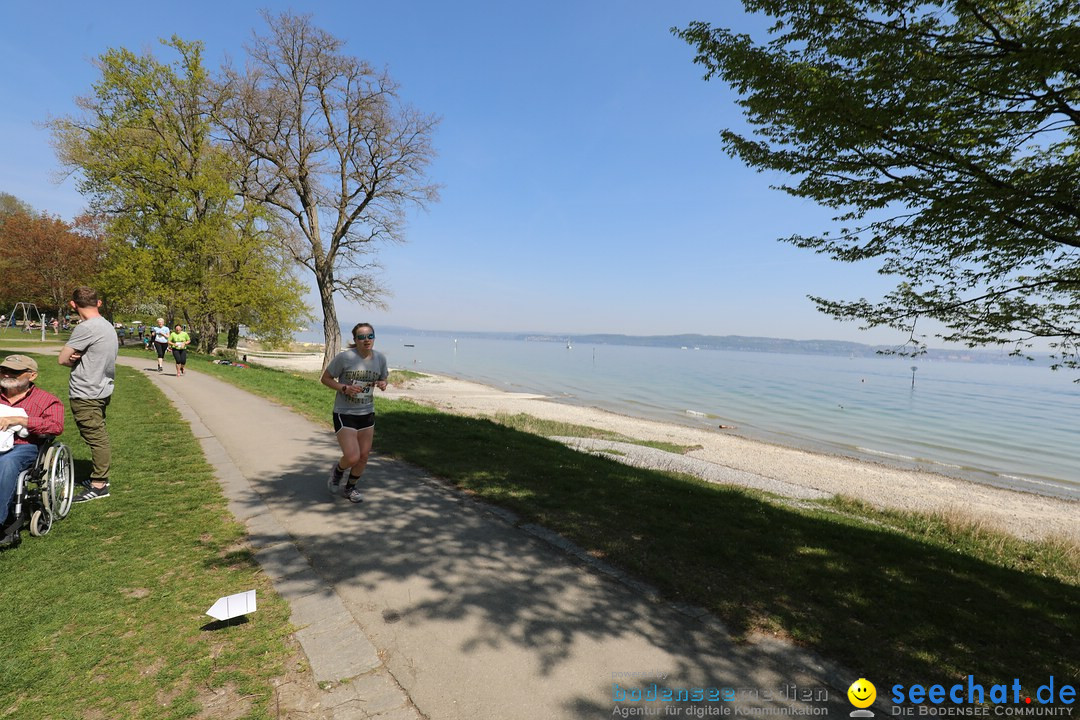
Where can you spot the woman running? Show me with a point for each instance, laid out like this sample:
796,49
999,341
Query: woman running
160,335
354,374
179,341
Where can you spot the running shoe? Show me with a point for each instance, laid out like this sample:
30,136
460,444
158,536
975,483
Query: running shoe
333,483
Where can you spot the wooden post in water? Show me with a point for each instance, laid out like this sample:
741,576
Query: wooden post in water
913,369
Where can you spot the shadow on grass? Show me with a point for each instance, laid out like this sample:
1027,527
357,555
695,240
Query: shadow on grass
888,606
222,624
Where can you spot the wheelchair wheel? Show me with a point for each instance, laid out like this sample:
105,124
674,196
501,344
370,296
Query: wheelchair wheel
40,522
61,469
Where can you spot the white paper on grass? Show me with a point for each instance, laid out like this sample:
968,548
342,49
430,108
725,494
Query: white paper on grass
232,606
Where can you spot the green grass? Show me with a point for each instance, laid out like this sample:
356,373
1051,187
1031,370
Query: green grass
902,596
554,428
103,617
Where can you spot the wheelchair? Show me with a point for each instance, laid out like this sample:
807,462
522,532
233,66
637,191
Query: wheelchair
44,493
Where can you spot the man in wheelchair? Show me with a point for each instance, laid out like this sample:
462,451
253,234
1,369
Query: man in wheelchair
27,415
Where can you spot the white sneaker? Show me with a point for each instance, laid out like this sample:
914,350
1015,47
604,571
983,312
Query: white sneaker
333,483
352,493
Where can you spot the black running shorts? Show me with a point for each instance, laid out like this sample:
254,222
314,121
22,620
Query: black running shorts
353,422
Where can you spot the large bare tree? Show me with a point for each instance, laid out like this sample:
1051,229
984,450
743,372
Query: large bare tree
332,150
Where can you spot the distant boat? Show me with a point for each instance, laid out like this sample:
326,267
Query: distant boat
569,346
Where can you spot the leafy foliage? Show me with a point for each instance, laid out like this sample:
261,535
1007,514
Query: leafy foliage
944,134
42,257
179,233
9,204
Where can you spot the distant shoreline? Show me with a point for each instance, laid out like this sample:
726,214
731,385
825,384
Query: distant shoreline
735,343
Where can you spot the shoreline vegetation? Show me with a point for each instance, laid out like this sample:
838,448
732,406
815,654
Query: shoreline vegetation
932,592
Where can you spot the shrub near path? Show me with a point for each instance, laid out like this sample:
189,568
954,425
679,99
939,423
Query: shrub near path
104,616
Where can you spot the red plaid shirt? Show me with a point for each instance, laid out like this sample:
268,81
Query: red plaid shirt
45,411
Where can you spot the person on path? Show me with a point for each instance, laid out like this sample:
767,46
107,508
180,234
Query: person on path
160,335
178,342
90,352
353,375
36,413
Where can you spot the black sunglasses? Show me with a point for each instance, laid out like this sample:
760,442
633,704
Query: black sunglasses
362,336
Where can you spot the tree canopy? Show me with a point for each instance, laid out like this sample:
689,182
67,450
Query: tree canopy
9,204
42,258
944,135
180,233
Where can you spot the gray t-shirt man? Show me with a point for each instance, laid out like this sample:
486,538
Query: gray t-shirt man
93,376
351,369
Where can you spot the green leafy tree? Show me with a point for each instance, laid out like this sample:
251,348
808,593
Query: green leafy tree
179,233
9,204
944,135
332,152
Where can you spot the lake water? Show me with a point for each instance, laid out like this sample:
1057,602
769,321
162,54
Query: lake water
1012,426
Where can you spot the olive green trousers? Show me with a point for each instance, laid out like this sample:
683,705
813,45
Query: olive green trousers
90,419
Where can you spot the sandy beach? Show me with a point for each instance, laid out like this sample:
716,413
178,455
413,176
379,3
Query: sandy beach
738,460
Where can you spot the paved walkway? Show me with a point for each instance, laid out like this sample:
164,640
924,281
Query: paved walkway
421,603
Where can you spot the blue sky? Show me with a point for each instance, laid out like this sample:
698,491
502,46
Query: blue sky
584,184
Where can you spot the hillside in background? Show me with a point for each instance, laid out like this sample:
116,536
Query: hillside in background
729,342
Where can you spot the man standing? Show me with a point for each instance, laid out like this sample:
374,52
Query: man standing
23,405
91,354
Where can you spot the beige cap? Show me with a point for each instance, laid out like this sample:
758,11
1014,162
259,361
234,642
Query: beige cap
19,362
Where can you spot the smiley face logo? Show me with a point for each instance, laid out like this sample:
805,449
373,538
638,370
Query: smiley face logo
862,693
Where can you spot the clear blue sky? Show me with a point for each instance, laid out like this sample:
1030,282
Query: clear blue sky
584,185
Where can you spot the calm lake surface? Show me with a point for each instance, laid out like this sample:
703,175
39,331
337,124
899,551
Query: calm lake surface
1013,426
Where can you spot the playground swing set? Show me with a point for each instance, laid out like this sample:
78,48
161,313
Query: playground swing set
26,317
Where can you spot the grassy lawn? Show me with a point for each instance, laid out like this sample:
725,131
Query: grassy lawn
897,596
103,617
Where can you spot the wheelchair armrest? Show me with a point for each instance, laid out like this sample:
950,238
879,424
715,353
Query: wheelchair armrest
44,442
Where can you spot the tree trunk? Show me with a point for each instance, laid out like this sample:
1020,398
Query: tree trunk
208,334
331,328
233,337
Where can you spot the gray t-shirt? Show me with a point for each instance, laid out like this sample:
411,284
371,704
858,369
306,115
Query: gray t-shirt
92,377
348,368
